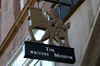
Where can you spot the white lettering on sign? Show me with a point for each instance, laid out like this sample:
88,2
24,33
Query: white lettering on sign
54,54
62,56
39,53
49,49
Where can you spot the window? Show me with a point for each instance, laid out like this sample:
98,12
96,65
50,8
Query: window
21,4
43,63
66,11
18,60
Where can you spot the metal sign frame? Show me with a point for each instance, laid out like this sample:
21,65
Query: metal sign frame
42,51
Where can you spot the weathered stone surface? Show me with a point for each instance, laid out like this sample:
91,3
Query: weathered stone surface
10,10
82,22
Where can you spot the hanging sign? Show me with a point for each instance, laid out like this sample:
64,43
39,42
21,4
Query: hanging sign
42,51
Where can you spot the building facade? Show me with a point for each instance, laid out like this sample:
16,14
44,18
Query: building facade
83,35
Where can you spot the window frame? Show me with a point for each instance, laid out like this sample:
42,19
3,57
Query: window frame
18,52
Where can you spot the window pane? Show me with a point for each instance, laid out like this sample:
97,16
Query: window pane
21,4
20,60
75,2
47,63
35,63
66,9
38,64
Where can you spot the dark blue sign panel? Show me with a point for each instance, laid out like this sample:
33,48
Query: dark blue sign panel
48,52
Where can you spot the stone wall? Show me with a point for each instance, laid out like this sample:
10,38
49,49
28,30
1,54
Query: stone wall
81,24
10,10
15,44
20,35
